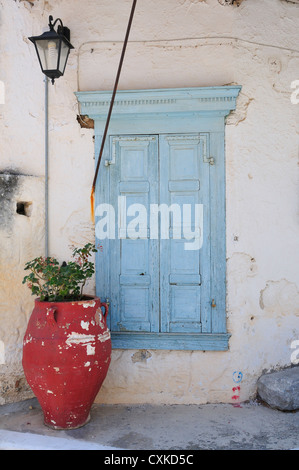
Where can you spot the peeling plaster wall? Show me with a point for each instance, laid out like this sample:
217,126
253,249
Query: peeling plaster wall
176,43
22,238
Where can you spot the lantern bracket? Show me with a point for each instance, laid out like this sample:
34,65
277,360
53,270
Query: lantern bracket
60,29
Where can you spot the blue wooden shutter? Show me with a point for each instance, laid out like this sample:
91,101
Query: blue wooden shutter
184,265
134,262
156,283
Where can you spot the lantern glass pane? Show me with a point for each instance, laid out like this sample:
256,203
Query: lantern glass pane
63,56
48,51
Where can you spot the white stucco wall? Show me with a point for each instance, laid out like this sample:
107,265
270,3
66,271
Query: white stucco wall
175,43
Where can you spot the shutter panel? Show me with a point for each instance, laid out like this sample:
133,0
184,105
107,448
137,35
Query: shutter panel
134,257
183,179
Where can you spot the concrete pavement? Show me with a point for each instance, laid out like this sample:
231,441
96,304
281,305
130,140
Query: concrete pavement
253,426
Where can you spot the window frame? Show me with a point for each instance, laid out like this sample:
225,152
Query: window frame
166,111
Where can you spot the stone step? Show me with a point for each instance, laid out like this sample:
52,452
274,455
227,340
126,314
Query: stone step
280,389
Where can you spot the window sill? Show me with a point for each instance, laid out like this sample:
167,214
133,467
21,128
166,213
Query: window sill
171,341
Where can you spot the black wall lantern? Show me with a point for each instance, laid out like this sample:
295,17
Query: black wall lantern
53,48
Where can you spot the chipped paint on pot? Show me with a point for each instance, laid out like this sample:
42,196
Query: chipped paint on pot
55,359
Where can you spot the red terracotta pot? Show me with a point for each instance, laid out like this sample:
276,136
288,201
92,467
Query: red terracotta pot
66,356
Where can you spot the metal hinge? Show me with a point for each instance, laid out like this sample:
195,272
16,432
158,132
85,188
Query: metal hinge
209,160
205,150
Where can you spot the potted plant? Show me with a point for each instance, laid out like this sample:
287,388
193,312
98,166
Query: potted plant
67,345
